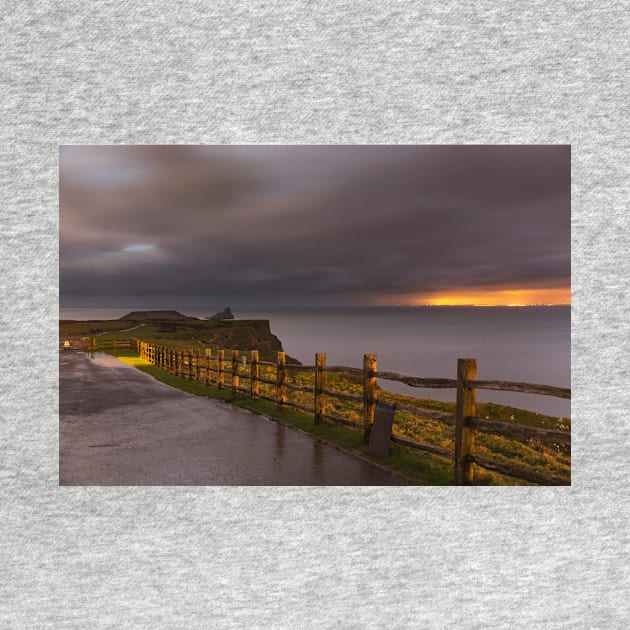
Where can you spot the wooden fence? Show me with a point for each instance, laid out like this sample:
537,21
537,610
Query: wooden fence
213,367
105,344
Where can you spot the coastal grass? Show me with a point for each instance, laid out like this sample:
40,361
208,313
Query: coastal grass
192,334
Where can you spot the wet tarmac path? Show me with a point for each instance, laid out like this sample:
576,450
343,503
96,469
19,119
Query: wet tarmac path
120,426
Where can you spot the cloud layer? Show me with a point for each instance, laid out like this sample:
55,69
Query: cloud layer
321,225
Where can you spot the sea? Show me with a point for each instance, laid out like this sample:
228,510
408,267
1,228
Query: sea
528,344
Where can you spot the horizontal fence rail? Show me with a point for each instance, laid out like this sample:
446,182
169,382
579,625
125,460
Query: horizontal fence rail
413,381
241,373
525,388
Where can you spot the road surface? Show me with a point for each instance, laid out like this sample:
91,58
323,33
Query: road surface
119,426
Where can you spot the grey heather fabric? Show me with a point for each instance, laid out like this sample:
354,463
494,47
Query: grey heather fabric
327,72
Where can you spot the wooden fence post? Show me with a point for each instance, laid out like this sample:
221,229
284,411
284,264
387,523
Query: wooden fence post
208,353
221,377
464,433
281,387
253,374
234,371
369,394
197,368
180,363
320,384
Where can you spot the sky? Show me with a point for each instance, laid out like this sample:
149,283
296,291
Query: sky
258,226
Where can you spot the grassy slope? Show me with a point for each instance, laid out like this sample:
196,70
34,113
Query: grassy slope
193,334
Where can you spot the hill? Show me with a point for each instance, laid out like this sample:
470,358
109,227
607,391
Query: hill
154,315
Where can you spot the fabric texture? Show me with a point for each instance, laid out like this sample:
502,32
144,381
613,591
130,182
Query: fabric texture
304,73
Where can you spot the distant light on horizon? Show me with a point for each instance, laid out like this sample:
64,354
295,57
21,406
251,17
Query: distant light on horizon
505,297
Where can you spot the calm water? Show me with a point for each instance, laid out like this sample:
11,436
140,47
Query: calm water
519,344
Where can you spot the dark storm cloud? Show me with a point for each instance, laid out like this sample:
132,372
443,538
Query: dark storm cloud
320,225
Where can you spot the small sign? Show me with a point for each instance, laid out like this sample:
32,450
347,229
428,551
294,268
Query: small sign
381,430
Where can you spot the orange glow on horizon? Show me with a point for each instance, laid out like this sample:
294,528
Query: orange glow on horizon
505,297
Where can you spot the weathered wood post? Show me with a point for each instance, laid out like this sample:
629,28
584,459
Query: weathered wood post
234,371
369,394
253,374
221,377
381,431
281,387
320,385
208,353
92,343
113,344
180,363
464,432
197,366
